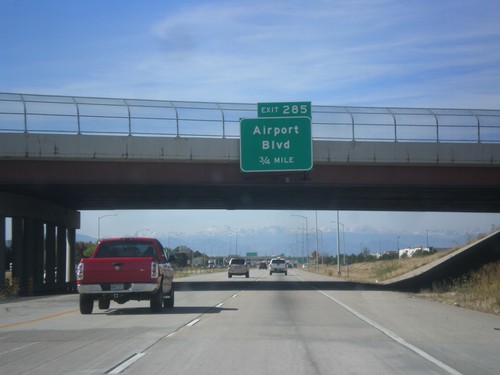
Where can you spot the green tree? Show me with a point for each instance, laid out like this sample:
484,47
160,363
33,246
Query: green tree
181,260
89,248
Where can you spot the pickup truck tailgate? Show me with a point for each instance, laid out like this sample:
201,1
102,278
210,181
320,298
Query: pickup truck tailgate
117,270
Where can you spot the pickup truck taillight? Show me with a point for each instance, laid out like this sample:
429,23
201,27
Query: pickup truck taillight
79,271
155,272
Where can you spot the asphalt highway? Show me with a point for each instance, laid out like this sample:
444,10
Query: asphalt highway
262,325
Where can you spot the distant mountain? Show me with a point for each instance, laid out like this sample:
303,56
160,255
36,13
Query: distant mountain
84,238
274,240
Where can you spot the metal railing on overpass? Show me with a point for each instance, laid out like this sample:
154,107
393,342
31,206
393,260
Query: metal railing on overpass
29,113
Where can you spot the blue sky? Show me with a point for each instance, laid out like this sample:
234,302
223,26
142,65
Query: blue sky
363,53
368,53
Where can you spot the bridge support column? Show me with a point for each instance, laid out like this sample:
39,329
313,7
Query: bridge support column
43,243
71,255
50,255
28,276
18,268
39,255
3,252
28,248
61,256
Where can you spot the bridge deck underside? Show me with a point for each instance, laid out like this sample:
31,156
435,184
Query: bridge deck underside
96,185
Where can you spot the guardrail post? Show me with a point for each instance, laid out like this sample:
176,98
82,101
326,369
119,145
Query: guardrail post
79,132
25,115
129,118
352,122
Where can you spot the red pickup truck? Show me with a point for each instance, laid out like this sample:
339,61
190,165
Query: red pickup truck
124,269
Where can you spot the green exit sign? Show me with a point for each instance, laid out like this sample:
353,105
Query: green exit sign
271,144
293,109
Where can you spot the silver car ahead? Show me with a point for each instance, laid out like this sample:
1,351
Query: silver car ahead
238,266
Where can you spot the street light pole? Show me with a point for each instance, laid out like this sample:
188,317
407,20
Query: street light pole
338,241
338,244
169,233
231,232
99,225
317,243
307,237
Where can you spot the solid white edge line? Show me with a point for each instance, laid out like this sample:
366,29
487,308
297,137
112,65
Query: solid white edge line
220,304
192,322
120,368
393,336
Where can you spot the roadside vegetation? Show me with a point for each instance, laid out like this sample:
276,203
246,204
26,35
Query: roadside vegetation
478,290
374,270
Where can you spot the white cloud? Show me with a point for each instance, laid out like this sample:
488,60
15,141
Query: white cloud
378,53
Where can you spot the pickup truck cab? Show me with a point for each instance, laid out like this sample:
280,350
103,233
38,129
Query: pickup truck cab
277,265
124,269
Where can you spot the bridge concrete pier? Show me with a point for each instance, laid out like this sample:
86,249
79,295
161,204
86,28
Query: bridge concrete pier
3,252
43,243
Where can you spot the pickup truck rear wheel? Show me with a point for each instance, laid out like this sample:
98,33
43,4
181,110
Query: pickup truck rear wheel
156,301
86,304
169,302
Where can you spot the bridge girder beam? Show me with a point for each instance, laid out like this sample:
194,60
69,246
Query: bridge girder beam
98,185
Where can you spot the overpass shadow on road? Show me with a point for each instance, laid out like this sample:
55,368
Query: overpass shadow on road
274,285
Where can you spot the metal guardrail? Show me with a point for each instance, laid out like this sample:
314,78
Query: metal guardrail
28,113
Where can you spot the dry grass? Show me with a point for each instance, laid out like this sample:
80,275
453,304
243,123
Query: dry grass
383,269
479,290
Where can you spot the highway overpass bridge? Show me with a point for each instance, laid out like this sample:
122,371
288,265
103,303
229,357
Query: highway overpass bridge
59,155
